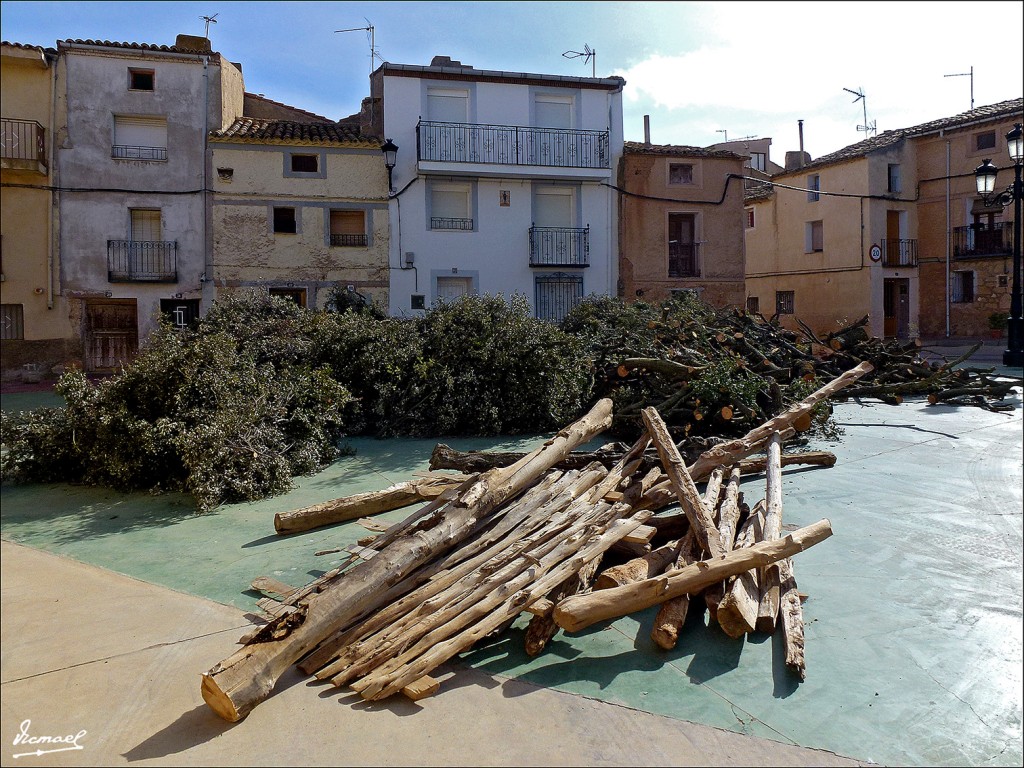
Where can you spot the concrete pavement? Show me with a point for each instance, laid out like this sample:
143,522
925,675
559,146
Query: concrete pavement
118,661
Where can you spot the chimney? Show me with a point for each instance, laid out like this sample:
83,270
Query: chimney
193,43
647,130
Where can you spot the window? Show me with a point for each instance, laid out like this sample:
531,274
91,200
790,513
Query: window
145,225
141,79
784,301
986,140
284,220
963,287
450,206
452,287
552,111
139,138
295,295
181,313
348,228
682,246
12,321
556,293
448,106
680,173
813,184
753,304
814,237
893,183
305,163
758,161
749,212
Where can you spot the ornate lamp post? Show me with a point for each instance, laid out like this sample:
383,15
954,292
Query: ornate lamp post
986,178
390,150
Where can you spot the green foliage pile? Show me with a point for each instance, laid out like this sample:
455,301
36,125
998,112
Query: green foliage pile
260,390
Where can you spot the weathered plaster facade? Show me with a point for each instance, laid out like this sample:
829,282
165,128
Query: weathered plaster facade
253,176
664,188
35,326
132,122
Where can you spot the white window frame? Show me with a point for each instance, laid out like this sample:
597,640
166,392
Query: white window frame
139,138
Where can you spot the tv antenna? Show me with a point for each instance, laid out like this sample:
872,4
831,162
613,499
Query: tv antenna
209,20
586,55
867,127
370,37
970,75
724,132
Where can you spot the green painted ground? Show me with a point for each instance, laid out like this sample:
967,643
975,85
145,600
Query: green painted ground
914,620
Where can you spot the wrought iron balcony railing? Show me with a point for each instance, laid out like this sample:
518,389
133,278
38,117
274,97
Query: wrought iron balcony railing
447,222
979,241
22,141
684,260
151,261
559,247
350,241
899,253
122,152
511,145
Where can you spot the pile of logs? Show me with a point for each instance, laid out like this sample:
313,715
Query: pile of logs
721,371
531,537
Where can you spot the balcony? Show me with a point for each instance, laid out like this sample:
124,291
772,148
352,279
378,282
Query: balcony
349,241
123,152
979,241
559,247
511,145
23,145
449,223
899,253
145,261
684,259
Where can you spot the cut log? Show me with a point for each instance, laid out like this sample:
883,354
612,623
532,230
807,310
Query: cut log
639,568
421,688
730,452
233,687
768,611
791,614
672,614
737,611
692,504
580,611
728,520
542,628
362,504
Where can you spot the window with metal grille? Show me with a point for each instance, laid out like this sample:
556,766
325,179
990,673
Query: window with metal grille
814,185
12,321
139,138
450,206
305,163
294,295
753,304
986,140
348,228
284,220
180,312
784,302
557,293
963,286
141,79
680,173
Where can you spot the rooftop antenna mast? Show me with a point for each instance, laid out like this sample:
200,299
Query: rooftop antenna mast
209,20
724,132
970,75
587,55
867,127
370,36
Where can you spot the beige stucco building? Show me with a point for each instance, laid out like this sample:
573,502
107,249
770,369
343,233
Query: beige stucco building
681,214
871,230
34,325
299,208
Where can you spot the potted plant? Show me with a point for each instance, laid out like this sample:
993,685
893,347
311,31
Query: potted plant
997,324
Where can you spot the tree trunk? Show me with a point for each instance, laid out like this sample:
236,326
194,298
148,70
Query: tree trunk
580,611
728,519
233,687
768,611
542,628
737,611
672,614
791,614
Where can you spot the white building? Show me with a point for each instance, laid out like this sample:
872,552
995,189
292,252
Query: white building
501,185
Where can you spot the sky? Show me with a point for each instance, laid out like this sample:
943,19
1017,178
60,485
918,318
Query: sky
703,71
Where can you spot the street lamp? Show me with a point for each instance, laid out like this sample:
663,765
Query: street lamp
390,150
985,175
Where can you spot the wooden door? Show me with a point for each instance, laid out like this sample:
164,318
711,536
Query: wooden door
111,334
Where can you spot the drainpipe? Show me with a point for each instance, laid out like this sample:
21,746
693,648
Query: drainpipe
53,193
948,233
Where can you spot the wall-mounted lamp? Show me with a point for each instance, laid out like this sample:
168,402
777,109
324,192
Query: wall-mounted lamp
390,150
